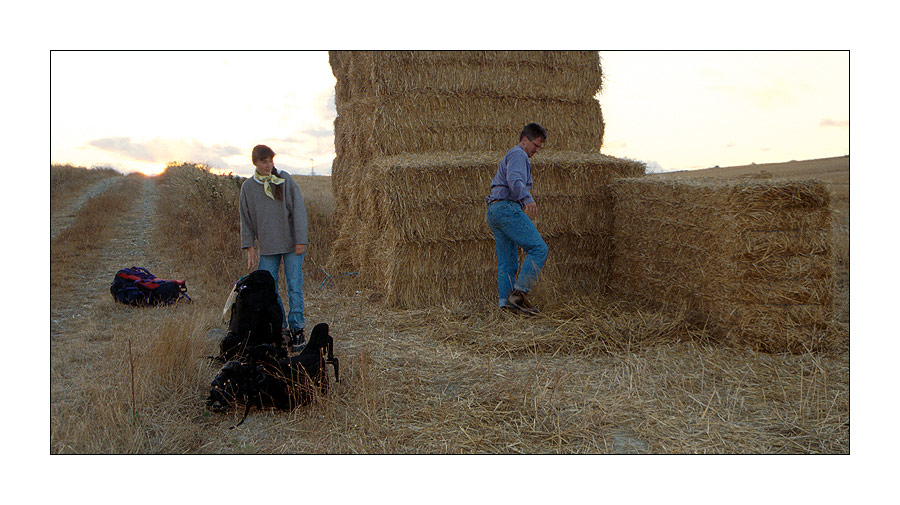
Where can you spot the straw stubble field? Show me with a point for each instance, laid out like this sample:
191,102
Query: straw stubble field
591,374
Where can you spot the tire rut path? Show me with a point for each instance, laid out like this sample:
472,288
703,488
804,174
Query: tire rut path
61,219
128,247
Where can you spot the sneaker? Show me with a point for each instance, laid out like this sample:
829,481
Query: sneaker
298,341
517,299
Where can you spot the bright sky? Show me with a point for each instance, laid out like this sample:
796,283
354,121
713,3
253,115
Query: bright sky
140,110
698,109
136,111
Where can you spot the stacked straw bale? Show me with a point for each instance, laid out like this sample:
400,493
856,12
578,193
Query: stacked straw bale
418,138
752,260
393,102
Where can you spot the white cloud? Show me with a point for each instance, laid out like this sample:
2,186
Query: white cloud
161,150
654,167
835,122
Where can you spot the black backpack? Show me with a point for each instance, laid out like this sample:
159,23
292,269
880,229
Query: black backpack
256,316
137,286
267,377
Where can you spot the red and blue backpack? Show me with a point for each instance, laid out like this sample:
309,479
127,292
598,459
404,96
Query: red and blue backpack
137,286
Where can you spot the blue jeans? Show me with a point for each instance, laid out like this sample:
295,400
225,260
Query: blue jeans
293,274
513,229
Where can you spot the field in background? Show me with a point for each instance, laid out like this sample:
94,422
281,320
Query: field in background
67,182
589,375
835,171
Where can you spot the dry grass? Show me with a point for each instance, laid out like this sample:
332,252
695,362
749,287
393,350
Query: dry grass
68,181
92,350
200,225
73,246
93,411
458,378
320,207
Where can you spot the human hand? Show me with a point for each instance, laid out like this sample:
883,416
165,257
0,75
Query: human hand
252,258
299,249
531,209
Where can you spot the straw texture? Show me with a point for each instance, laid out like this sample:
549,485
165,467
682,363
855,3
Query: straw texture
392,102
418,138
750,260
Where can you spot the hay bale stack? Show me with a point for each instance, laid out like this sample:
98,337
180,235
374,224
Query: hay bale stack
750,259
426,230
418,138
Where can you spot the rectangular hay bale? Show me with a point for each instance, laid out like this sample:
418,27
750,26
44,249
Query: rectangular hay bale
751,259
392,102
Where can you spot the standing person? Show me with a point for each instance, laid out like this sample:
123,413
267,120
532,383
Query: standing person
510,212
273,214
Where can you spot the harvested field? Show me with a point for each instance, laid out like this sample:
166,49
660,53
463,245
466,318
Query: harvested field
429,365
591,375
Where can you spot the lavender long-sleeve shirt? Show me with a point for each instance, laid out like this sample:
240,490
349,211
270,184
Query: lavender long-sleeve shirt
513,180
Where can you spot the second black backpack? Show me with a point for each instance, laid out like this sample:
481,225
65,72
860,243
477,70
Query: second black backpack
256,316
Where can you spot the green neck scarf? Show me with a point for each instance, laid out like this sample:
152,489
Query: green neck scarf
267,181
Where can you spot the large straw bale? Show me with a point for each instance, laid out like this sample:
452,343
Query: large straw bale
415,274
354,131
750,259
566,75
418,274
436,175
427,121
392,102
441,196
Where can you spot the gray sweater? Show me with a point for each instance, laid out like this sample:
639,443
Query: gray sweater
277,224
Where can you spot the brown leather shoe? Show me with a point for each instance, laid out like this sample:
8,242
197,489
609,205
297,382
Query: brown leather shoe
517,299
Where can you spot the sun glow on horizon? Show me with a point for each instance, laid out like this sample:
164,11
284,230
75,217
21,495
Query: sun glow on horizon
221,171
151,169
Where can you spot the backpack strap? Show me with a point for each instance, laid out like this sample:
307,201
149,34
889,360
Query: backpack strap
251,397
329,351
144,271
247,407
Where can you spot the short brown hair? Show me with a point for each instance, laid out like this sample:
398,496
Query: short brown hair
533,131
262,152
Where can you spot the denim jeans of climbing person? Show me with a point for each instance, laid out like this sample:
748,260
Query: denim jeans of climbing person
512,229
293,274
